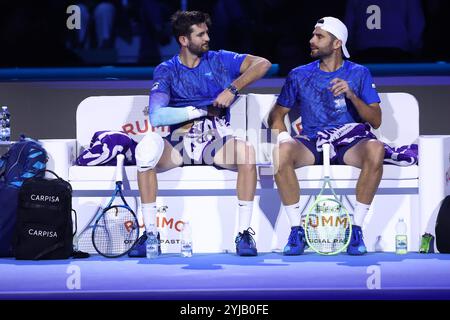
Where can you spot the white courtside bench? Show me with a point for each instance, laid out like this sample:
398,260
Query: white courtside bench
206,196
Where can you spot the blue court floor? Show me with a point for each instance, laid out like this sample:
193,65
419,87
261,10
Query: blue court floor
227,276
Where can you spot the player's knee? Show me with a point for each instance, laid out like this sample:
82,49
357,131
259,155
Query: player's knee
285,149
375,153
149,151
282,155
283,165
250,154
246,154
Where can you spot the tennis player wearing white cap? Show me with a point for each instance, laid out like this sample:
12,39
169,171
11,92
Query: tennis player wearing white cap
319,90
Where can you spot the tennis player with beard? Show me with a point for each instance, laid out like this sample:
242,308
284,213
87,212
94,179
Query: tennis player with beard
334,96
192,93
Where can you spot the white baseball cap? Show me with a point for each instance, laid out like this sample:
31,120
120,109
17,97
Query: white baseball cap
337,28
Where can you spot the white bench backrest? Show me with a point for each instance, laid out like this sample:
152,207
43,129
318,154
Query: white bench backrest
400,121
130,114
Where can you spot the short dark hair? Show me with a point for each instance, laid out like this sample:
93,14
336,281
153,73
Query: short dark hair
182,22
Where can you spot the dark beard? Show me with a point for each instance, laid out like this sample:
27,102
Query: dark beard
198,50
322,53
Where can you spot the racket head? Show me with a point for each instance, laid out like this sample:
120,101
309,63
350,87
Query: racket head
327,226
83,240
115,231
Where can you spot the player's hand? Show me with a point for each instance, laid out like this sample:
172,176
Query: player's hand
339,86
224,99
215,111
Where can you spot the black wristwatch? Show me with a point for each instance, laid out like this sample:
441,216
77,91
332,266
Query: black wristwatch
233,89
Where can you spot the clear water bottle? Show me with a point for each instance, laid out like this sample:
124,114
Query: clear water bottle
339,103
186,240
401,239
379,245
5,124
152,244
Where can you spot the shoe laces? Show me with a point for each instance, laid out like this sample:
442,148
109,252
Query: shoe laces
357,236
246,235
293,235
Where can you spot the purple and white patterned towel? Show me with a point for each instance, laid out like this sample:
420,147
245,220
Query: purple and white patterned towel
105,146
343,135
402,156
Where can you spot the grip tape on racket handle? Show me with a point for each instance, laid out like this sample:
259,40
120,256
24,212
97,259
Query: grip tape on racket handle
119,167
326,159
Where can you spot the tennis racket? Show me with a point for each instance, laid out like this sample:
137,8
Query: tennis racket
327,223
83,239
116,229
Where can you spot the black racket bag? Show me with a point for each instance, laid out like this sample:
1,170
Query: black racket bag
44,227
443,227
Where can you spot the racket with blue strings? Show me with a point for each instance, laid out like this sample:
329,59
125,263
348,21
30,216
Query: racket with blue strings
116,228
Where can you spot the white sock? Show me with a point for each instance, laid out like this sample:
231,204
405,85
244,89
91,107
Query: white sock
245,214
360,213
294,214
149,211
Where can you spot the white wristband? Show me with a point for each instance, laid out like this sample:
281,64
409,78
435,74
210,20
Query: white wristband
284,137
194,113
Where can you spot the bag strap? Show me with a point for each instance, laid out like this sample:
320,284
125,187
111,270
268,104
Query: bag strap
43,171
76,224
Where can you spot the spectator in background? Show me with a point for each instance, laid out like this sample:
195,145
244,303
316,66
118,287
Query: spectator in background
230,20
34,35
298,16
268,19
154,28
277,28
385,30
98,16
